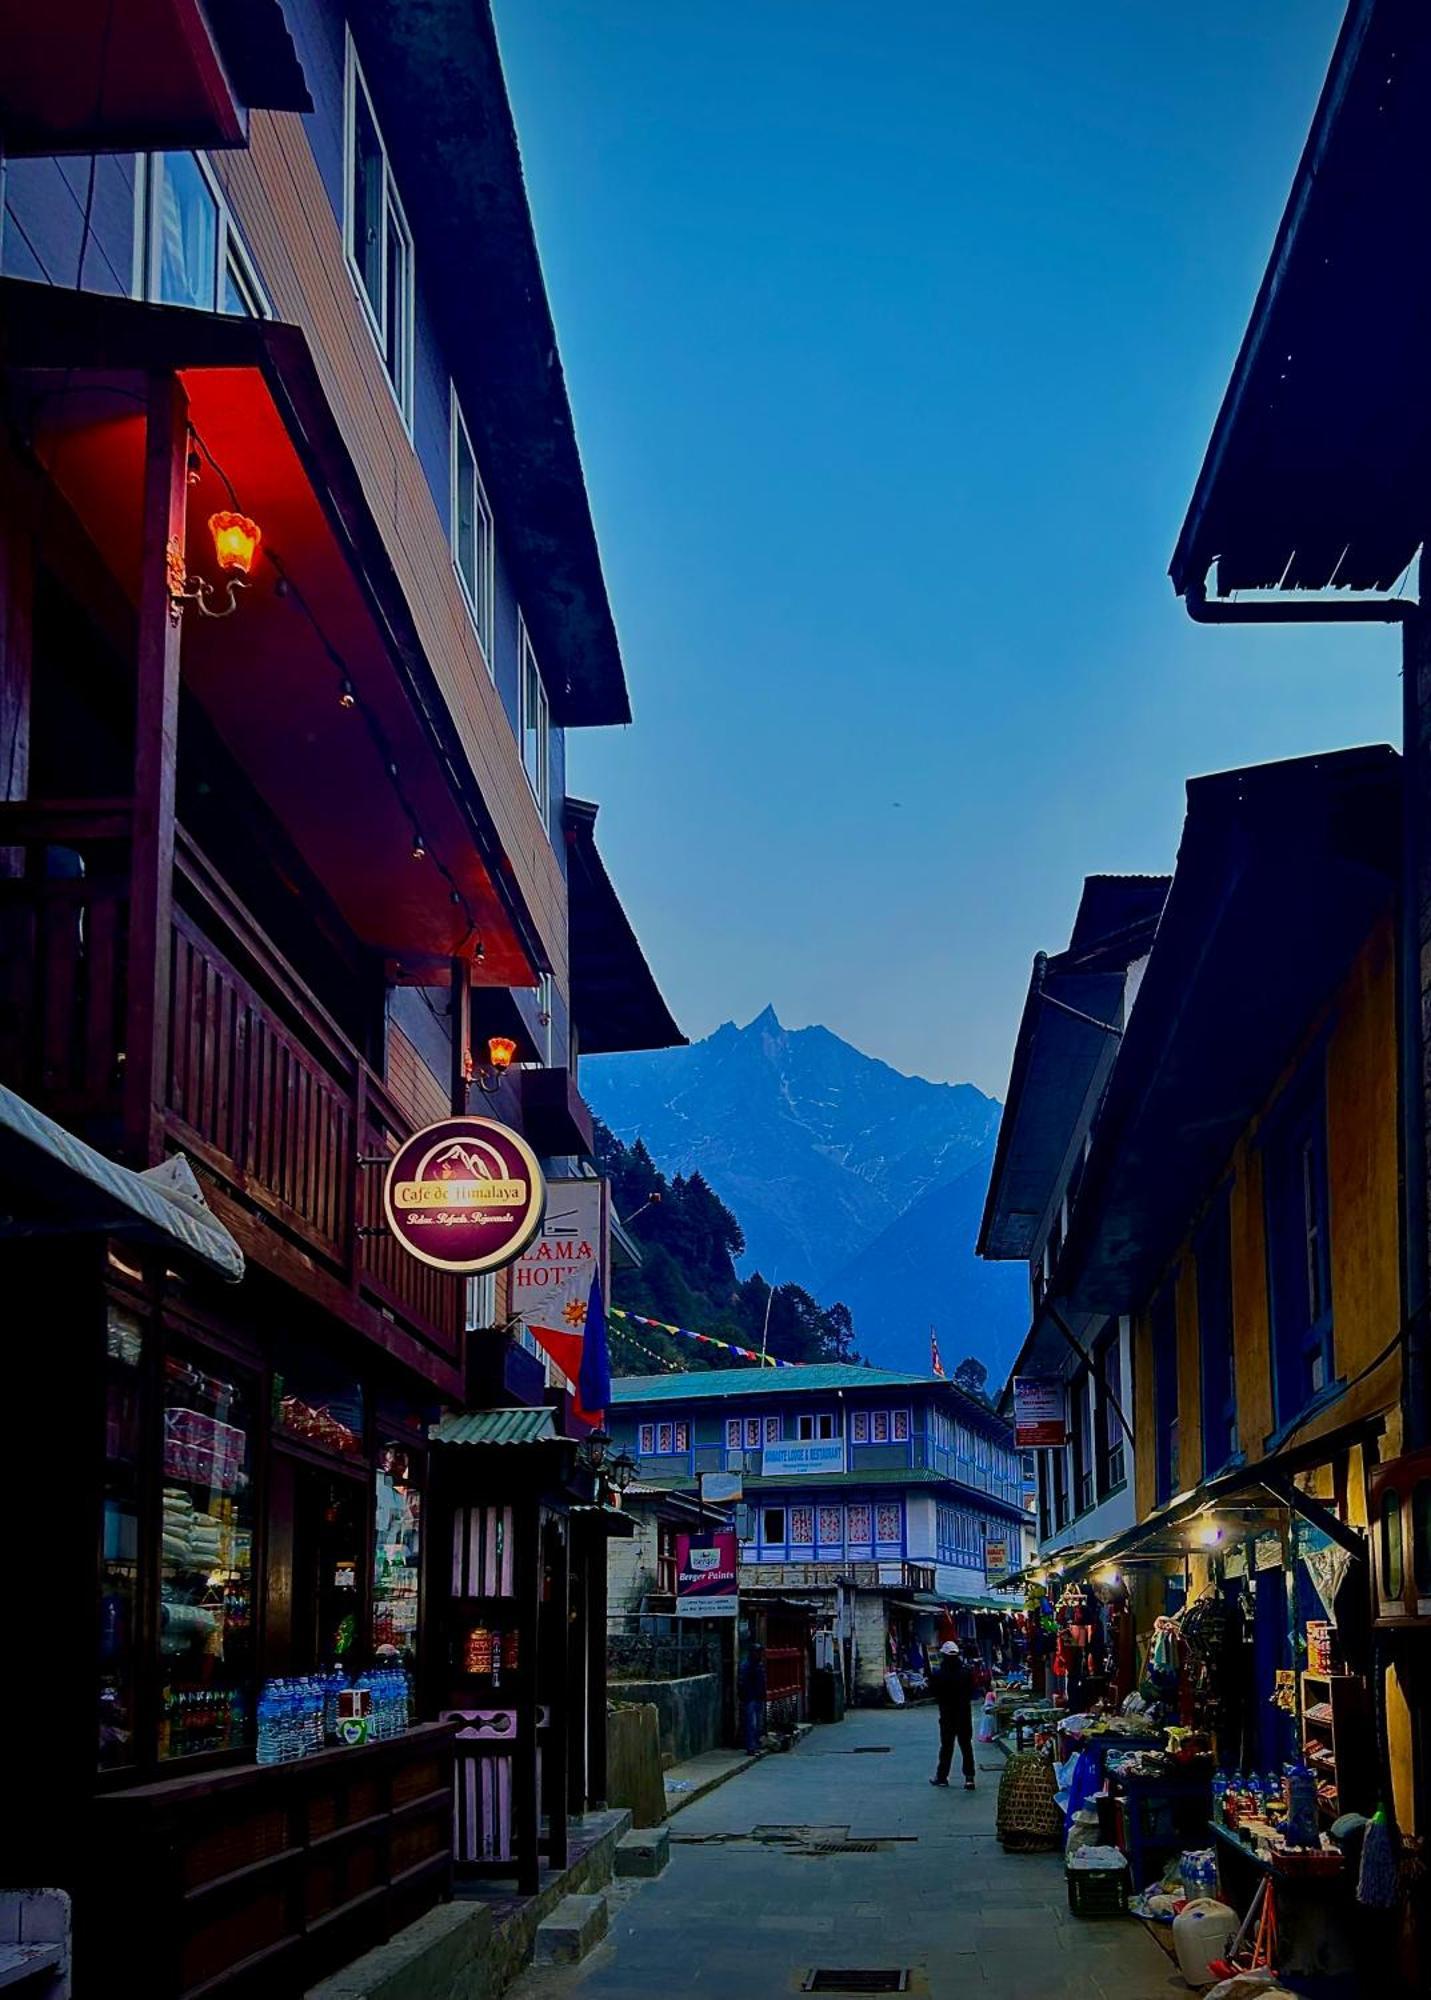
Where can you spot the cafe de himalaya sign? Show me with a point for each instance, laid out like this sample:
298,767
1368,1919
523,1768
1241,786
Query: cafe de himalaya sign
464,1195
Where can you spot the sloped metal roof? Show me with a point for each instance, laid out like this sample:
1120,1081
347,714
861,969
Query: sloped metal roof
520,1426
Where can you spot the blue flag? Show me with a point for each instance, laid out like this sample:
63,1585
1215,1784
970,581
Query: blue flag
593,1384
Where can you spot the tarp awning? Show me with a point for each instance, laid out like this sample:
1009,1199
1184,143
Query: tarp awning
52,1183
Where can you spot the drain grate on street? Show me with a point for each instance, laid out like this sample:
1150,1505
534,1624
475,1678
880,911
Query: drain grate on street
857,1979
845,1847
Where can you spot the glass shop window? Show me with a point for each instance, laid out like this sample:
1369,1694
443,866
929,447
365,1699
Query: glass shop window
1392,1576
318,1403
119,1544
329,1547
397,1548
206,1613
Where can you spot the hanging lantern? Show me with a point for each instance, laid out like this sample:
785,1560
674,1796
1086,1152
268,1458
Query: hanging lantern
236,540
500,1051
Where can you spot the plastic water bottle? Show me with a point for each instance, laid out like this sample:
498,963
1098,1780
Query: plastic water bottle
270,1711
333,1683
1220,1784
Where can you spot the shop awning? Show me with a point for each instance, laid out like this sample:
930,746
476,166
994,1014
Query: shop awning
615,1001
53,1184
503,1427
1315,474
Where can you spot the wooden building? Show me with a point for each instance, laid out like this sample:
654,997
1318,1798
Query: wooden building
299,595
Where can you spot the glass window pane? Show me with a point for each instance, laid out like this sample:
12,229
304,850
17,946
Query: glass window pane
395,322
317,1401
206,1562
397,1547
119,1547
239,296
367,197
186,221
1421,1537
1391,1571
464,527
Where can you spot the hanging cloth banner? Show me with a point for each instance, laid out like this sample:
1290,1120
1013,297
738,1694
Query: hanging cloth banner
706,1339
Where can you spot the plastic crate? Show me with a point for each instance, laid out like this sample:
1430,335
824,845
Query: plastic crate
1098,1892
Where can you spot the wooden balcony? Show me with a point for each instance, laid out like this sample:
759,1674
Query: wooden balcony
258,1086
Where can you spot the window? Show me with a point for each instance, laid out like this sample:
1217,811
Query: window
860,1427
752,1433
811,1425
887,1521
544,1017
119,1554
187,249
646,1439
481,1301
732,1433
772,1527
859,1523
474,546
1078,1426
206,1622
772,1430
666,1558
831,1522
665,1439
1299,1252
682,1439
1165,1396
879,1429
1215,1348
397,1548
1058,1467
900,1424
535,725
376,237
1108,1367
802,1526
1392,1578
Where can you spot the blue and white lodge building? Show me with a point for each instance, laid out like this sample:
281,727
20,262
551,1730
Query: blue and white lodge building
876,1498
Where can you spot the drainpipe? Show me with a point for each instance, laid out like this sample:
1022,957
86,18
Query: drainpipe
1413,1087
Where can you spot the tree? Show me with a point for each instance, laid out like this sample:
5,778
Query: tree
972,1377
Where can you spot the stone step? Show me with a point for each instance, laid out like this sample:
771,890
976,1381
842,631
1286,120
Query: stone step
644,1852
568,1934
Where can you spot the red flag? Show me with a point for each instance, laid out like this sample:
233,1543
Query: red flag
935,1363
564,1344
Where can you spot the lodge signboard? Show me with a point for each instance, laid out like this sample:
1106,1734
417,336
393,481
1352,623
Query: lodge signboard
794,1459
1040,1421
706,1577
464,1195
551,1280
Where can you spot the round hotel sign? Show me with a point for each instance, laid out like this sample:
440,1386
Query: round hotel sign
465,1194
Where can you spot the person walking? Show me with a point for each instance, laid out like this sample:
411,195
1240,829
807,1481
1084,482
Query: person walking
752,1697
954,1691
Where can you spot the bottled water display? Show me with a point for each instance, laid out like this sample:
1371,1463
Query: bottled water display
298,1715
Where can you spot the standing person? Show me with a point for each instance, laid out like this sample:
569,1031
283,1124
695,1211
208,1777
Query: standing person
752,1696
954,1690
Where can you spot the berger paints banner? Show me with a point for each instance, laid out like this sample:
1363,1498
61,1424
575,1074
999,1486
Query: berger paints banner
1039,1418
465,1194
706,1584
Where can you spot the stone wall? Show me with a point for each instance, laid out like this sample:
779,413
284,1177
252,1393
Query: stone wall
689,1712
870,1652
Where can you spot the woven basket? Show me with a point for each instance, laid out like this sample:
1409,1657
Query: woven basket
1029,1820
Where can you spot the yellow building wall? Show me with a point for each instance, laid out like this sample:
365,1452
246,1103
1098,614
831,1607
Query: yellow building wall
1360,1054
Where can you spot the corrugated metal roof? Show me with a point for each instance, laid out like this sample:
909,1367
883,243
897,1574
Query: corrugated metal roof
523,1426
723,1382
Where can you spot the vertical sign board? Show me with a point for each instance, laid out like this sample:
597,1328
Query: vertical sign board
706,1583
551,1280
1040,1420
996,1556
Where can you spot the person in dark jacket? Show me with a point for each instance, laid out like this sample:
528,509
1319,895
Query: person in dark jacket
954,1692
752,1697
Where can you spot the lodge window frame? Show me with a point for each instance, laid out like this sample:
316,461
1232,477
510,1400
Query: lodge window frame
1216,1333
1079,1431
1110,1449
1163,1356
402,340
233,261
1296,1175
479,592
768,1540
816,1427
529,678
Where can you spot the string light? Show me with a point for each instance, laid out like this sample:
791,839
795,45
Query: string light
285,587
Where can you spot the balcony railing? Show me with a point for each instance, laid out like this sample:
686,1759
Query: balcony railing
259,1085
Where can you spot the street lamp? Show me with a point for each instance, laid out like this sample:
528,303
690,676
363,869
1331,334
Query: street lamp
594,1448
620,1471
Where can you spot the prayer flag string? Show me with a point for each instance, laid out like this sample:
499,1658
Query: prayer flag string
706,1339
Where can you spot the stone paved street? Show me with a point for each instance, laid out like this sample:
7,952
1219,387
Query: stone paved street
732,1916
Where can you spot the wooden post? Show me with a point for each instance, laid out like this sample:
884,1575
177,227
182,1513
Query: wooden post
460,1009
558,1749
526,1805
156,744
596,1570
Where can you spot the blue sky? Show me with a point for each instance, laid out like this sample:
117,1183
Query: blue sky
894,335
